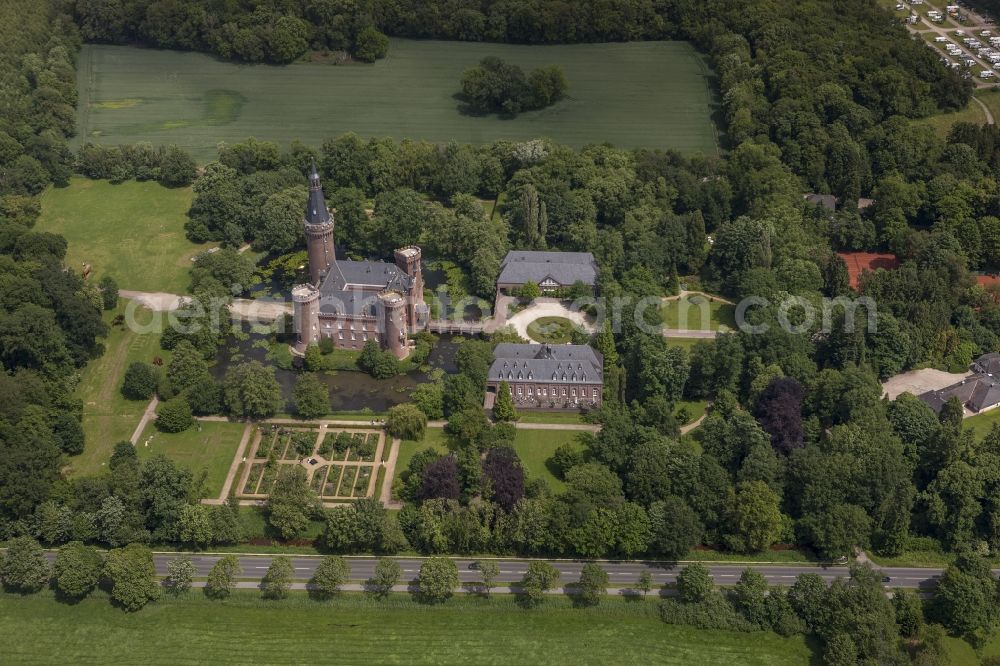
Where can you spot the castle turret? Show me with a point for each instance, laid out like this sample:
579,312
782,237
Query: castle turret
319,230
408,261
390,311
305,316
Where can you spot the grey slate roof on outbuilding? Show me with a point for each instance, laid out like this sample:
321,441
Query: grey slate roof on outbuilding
988,364
977,393
827,201
566,268
546,364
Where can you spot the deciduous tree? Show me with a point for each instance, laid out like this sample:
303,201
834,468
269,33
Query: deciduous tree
132,575
593,583
222,577
438,579
23,567
330,574
278,578
180,574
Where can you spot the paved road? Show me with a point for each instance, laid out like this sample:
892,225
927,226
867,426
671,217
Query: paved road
622,574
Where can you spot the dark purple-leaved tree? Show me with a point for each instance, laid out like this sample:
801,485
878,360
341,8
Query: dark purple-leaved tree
502,468
440,479
779,412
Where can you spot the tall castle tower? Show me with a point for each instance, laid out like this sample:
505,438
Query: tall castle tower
408,261
390,310
319,230
305,316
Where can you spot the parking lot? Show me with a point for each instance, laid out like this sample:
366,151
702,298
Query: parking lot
965,40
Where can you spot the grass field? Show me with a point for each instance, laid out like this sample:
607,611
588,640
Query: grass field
534,447
108,417
132,231
550,417
210,449
972,113
687,343
651,94
357,630
980,424
691,312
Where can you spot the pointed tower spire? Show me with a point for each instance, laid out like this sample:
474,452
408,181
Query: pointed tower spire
316,211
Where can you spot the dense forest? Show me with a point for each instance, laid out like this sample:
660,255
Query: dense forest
49,319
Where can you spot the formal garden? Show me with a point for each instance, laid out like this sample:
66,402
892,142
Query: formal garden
341,464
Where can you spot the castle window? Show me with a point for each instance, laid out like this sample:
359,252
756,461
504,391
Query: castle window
340,336
564,391
572,391
519,390
365,338
596,394
529,390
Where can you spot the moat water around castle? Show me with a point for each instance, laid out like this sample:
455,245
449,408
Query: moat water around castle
349,390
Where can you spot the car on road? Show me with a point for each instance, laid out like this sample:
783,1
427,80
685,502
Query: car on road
474,565
886,579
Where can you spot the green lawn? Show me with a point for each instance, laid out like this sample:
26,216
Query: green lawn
108,417
695,409
650,94
210,449
526,416
434,439
133,231
553,330
982,423
696,312
534,447
687,343
356,630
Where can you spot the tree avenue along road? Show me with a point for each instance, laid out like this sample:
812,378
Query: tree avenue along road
621,574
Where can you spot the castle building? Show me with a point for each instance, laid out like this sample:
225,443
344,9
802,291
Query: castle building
352,302
547,376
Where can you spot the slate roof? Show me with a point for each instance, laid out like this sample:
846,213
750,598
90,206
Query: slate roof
546,364
350,286
989,363
316,210
978,392
566,268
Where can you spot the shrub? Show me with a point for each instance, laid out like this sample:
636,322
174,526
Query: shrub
406,422
140,381
174,415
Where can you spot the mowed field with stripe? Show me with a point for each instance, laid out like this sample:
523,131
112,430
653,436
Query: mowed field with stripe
649,94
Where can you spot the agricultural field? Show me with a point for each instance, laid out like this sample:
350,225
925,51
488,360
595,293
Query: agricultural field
356,630
650,94
133,231
207,445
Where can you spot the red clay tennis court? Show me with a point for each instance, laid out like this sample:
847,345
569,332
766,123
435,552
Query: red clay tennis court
857,262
